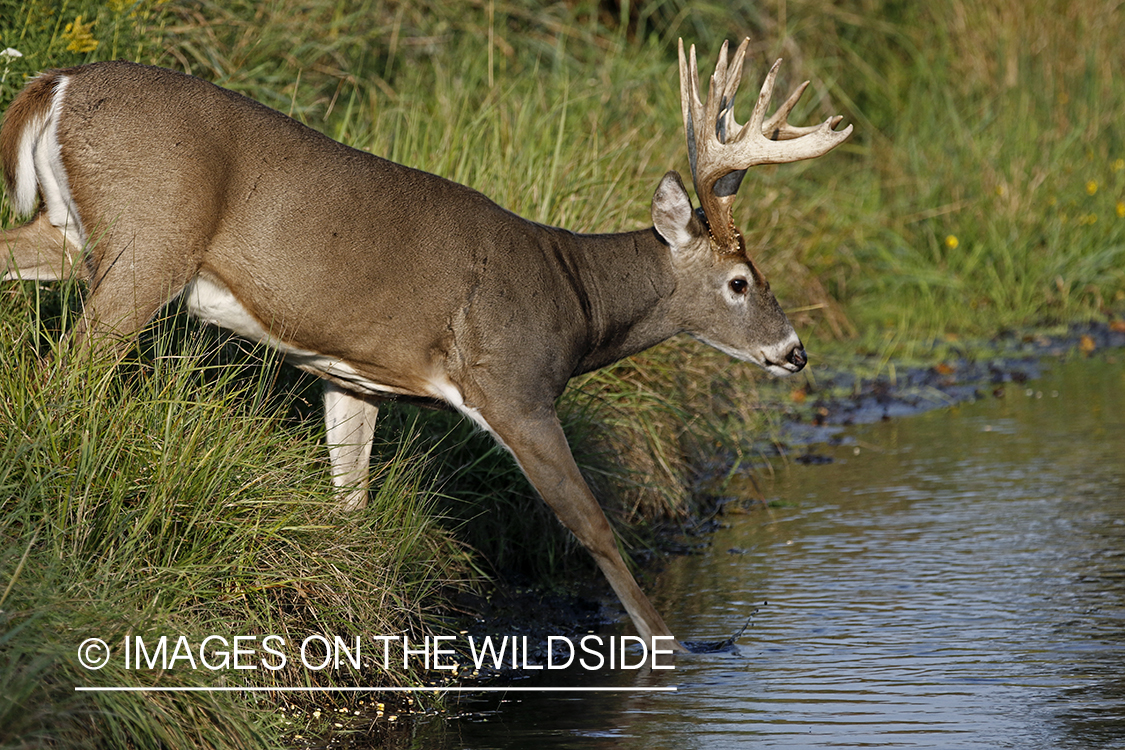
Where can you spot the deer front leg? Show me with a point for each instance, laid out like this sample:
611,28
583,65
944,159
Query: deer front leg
350,422
541,449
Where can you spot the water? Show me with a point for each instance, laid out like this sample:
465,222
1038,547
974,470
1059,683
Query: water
951,580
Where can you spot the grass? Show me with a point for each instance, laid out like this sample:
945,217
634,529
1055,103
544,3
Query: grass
174,496
186,492
992,195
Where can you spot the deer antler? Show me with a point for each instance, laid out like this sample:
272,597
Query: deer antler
720,150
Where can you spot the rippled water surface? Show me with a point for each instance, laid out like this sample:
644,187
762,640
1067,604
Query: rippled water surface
954,579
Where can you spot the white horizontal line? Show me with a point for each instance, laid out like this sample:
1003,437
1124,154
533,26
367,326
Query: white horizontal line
126,689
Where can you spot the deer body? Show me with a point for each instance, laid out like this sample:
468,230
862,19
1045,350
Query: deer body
384,280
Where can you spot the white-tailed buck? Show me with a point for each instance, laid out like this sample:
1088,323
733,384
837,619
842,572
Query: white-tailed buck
383,280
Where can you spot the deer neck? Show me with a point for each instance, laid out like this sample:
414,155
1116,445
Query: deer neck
626,283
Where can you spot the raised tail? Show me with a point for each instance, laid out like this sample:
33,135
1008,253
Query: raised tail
27,140
45,248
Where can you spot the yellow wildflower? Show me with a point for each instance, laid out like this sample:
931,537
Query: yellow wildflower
80,36
1118,165
952,242
1121,209
1091,187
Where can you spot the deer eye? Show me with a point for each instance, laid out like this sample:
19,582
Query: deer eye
739,285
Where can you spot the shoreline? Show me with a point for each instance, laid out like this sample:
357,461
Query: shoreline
840,398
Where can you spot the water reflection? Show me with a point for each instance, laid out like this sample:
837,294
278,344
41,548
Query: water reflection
956,579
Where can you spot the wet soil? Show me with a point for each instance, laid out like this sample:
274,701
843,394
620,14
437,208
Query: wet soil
816,412
509,608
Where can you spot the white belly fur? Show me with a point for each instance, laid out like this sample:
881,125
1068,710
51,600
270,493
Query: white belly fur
212,302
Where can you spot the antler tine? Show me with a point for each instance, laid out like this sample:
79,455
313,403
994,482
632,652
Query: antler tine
758,116
720,150
713,107
733,76
689,104
777,127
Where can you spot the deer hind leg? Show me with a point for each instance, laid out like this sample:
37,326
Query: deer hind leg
127,287
39,251
350,420
537,441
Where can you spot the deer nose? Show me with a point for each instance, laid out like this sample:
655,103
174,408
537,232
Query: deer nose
797,357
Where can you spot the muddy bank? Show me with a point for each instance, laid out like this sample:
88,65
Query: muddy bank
818,410
518,611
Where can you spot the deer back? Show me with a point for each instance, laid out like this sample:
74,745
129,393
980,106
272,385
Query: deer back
329,249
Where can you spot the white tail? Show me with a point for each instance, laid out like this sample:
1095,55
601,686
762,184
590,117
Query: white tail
385,281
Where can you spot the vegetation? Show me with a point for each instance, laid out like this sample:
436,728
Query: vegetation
186,493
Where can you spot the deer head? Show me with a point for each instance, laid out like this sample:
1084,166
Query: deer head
746,321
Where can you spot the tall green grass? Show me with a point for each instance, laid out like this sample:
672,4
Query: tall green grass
987,189
174,496
983,188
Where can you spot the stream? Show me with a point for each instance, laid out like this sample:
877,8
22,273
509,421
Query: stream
955,579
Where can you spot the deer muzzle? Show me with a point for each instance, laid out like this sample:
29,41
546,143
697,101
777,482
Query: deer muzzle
786,358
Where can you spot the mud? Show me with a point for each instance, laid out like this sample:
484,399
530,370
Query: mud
818,411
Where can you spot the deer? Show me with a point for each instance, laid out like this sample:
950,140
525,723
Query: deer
388,282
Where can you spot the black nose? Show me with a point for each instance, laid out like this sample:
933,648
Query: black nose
797,357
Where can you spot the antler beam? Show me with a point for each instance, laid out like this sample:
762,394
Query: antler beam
720,150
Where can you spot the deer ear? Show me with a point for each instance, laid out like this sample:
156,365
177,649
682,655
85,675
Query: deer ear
671,212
